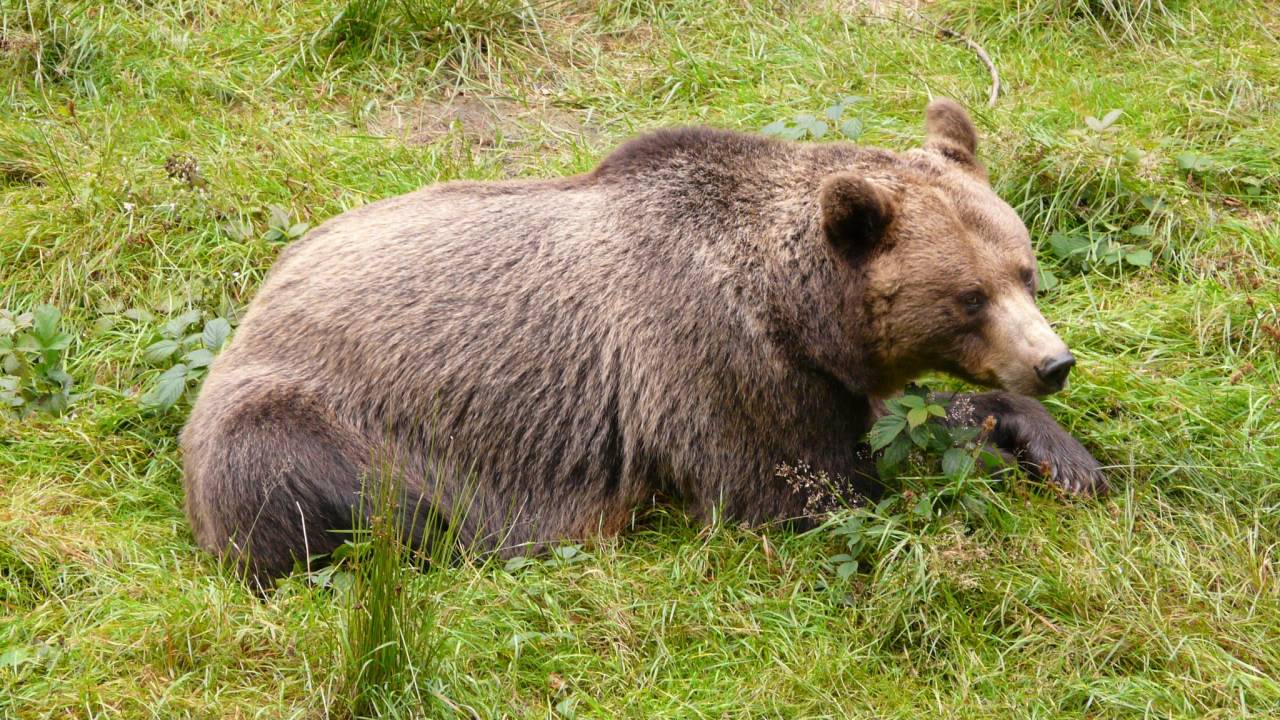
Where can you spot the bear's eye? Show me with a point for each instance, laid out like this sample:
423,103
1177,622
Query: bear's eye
1029,279
973,301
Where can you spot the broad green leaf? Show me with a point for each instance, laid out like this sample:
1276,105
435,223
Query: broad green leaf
16,655
939,437
277,216
61,378
924,506
1140,258
852,526
916,417
139,315
991,460
1065,246
792,132
834,112
774,128
216,332
921,435
178,325
236,230
1106,122
852,128
198,358
167,389
847,569
957,464
44,321
885,430
936,410
1142,230
1193,162
1048,280
974,504
896,452
566,708
59,341
519,562
911,401
297,229
158,352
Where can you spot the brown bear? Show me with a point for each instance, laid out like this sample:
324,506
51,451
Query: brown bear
700,309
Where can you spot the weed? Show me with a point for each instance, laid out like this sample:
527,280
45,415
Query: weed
33,349
194,350
808,127
281,227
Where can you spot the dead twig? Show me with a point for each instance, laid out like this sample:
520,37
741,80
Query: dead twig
950,34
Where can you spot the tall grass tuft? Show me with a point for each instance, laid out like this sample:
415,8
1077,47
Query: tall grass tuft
392,569
455,34
51,41
1132,21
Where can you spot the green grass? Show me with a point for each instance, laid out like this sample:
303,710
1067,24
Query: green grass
1162,600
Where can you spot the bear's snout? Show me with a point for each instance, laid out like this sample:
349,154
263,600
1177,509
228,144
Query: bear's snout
1053,370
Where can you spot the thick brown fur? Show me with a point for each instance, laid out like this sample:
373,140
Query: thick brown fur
701,308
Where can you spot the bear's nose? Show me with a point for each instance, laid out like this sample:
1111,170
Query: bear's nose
1053,371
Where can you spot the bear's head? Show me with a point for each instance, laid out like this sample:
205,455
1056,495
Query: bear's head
947,276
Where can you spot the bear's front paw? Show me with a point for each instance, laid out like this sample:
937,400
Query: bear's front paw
1063,462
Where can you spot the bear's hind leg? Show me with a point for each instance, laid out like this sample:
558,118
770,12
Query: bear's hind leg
272,478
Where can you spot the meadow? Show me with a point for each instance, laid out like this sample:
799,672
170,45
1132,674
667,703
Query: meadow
156,155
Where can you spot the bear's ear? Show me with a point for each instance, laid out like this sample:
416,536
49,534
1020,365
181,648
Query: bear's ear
950,133
856,211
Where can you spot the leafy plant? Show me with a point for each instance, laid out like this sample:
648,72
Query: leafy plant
1106,124
913,422
281,227
194,351
569,554
1193,163
1084,251
808,127
913,430
32,362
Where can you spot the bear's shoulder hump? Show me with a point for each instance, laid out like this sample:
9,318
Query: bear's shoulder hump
680,145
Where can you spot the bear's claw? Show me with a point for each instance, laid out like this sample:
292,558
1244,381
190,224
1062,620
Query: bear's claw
1062,461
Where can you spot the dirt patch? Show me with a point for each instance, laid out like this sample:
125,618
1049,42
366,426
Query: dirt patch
878,8
484,121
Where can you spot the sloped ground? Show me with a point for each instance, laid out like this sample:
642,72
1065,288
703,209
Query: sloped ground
142,143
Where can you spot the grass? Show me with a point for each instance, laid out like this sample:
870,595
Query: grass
1161,600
